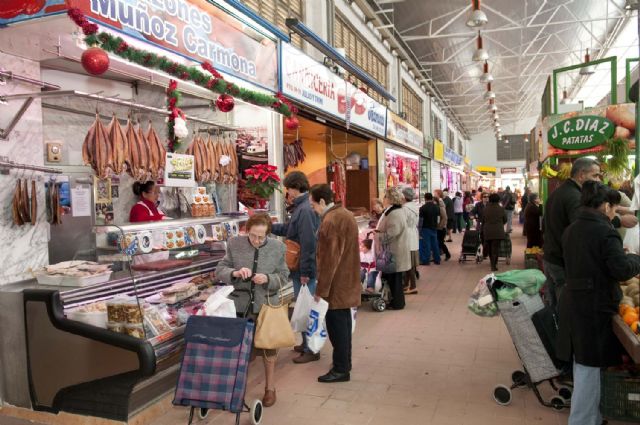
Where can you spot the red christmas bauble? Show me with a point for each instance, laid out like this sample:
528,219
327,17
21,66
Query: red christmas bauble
12,8
291,122
34,6
95,61
225,103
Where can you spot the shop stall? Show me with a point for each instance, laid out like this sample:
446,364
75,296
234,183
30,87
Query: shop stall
340,126
93,309
438,167
452,172
403,164
512,177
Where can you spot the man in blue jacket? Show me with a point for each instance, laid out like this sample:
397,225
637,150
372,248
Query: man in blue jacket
301,228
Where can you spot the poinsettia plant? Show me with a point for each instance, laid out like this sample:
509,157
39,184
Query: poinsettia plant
262,180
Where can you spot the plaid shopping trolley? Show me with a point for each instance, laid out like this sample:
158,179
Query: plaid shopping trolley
215,364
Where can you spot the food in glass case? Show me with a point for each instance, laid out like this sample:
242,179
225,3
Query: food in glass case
132,312
136,331
116,327
153,318
116,310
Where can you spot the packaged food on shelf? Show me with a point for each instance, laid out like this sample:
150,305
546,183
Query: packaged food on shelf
92,314
154,320
136,331
116,309
74,273
116,327
132,312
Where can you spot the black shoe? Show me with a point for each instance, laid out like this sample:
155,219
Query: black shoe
334,376
417,275
448,257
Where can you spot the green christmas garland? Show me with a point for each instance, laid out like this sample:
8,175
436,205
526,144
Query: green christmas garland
214,82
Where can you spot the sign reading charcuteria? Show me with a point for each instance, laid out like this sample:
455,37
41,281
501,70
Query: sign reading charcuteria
581,132
196,29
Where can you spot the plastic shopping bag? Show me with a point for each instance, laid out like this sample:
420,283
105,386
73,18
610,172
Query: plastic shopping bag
316,330
632,240
481,301
219,305
354,313
300,316
529,280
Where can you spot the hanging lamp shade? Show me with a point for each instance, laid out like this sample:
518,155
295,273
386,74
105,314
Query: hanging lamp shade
480,54
477,18
486,76
489,94
587,70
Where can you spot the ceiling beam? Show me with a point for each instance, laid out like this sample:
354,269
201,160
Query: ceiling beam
452,20
409,38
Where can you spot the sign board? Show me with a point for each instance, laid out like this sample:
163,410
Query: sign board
179,170
195,29
438,150
403,133
581,132
509,170
312,83
451,157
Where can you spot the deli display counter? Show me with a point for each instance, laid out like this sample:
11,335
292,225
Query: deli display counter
110,349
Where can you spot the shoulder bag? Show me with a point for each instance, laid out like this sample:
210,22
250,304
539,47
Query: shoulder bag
385,260
273,329
292,254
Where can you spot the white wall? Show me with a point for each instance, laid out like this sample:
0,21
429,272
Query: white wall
482,147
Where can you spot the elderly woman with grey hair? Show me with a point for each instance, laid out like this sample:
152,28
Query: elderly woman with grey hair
411,210
392,234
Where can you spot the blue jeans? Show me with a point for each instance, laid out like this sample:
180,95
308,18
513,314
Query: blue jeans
428,245
585,400
371,277
295,277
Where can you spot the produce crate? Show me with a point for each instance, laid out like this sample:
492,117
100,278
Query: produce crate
629,341
533,261
620,399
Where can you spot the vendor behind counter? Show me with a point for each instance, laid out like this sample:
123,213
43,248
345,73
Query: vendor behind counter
146,209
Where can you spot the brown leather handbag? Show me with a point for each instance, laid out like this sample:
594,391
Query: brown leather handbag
292,254
273,329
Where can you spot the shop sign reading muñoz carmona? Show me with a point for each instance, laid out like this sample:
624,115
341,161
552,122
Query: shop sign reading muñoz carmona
195,29
581,132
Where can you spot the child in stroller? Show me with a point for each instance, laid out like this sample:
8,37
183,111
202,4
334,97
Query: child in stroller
368,272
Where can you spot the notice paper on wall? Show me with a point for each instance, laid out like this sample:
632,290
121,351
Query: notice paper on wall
81,201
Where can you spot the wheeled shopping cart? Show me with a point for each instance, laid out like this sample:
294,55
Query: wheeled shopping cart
215,364
538,366
505,249
471,246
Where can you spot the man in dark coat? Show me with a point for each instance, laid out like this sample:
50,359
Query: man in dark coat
509,204
478,213
301,228
532,215
429,215
595,263
338,261
561,209
493,227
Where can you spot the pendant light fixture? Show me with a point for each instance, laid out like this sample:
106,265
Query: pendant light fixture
477,18
587,70
489,94
480,54
486,76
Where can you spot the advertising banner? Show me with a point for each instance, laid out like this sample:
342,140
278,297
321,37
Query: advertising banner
179,170
312,83
195,29
451,157
438,150
404,133
576,133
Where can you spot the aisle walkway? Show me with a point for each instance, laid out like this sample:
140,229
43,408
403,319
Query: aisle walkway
434,363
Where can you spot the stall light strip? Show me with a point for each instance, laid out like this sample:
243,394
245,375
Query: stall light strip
401,153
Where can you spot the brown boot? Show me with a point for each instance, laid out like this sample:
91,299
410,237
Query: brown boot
298,348
306,358
269,398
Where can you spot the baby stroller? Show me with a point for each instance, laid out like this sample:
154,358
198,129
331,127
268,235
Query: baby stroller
215,364
379,300
471,246
537,362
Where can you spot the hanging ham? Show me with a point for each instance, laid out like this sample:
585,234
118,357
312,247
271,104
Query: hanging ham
138,154
157,154
119,146
96,149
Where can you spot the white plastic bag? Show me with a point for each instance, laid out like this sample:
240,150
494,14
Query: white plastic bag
219,305
300,316
632,239
354,314
316,329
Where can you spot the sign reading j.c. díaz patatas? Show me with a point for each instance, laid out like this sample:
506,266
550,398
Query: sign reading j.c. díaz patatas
580,132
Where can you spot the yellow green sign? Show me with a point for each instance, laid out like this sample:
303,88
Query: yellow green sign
581,132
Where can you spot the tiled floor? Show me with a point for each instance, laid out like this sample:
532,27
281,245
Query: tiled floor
434,363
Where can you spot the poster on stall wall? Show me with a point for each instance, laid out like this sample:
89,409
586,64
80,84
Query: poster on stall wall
194,29
438,150
585,132
400,131
314,84
179,170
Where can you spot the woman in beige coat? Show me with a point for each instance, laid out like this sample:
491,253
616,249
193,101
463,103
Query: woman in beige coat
393,234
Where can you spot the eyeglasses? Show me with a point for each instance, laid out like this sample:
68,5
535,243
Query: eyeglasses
257,238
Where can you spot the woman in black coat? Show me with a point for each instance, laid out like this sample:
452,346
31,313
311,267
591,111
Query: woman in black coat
494,218
594,263
532,224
